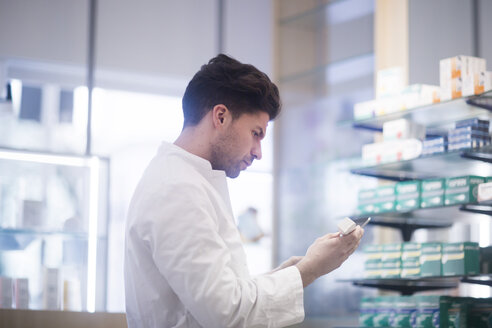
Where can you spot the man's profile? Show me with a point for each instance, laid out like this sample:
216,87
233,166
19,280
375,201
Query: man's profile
184,262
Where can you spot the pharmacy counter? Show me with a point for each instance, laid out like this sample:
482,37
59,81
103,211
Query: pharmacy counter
60,319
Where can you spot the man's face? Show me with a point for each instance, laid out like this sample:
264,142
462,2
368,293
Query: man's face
239,144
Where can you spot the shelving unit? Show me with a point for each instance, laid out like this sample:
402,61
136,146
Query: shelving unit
409,286
427,167
53,215
463,162
436,117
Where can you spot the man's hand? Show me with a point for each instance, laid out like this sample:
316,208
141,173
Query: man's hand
327,253
290,262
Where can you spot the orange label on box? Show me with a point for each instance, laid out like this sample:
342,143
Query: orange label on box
455,68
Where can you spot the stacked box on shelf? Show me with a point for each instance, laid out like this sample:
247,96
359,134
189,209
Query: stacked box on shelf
365,110
480,313
432,193
373,261
453,311
427,311
385,311
366,202
391,261
386,198
405,310
484,192
458,74
410,260
430,259
367,311
460,259
417,95
402,129
470,133
408,195
434,145
462,190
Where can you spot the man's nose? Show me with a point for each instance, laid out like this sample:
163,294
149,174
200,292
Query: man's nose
256,151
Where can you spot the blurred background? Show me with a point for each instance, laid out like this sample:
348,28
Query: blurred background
89,89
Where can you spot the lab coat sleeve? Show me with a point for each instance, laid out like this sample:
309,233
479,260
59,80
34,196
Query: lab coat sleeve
192,256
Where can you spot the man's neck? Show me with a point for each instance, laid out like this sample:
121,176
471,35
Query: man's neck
195,141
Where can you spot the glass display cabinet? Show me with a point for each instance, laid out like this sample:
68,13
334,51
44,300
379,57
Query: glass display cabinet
53,230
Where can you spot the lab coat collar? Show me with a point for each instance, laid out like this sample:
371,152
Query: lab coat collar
200,163
216,178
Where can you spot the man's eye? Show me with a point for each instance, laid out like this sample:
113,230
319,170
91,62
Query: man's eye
256,134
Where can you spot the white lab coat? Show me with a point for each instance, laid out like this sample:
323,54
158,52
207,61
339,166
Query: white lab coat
184,262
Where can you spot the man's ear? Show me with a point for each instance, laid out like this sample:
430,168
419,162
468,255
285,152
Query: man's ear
220,115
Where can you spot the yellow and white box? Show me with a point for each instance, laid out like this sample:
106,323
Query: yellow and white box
460,75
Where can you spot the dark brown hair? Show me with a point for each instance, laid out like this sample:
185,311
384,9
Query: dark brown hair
240,87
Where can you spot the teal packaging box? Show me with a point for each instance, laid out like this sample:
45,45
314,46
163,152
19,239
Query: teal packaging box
373,263
432,193
430,259
366,201
462,190
408,195
410,260
391,260
386,199
460,259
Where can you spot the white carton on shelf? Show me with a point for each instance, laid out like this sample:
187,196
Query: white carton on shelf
21,293
453,71
391,151
51,289
487,81
403,129
372,154
364,110
401,150
6,292
390,82
417,95
484,192
473,84
389,105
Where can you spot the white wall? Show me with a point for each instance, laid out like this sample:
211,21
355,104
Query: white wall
248,30
437,29
47,30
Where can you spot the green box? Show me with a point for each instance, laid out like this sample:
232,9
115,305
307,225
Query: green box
367,200
373,263
462,190
432,193
404,312
460,259
385,308
427,311
430,259
453,312
367,311
408,195
386,199
480,313
391,260
410,257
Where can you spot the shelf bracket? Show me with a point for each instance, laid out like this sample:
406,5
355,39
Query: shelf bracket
481,101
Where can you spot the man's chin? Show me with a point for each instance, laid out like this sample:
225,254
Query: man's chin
233,174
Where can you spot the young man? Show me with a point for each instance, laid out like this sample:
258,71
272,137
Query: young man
185,265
